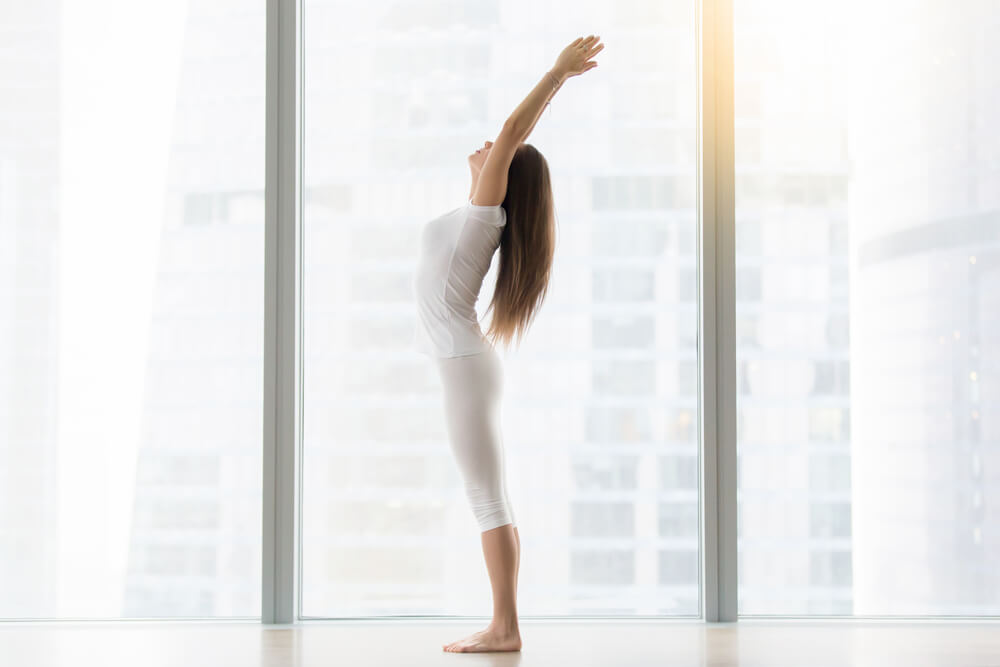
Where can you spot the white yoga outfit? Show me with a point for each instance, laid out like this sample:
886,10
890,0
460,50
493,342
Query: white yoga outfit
455,253
456,250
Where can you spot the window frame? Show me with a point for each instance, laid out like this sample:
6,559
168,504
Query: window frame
281,572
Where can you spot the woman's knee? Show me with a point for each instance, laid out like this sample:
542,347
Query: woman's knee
491,514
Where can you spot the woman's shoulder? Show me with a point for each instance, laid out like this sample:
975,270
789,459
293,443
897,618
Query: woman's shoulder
494,215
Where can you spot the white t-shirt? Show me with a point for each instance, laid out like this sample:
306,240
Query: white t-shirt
455,254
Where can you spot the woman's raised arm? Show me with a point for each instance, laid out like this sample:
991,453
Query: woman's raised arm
491,187
571,62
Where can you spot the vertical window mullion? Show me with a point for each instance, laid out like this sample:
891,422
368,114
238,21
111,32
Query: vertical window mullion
717,325
282,312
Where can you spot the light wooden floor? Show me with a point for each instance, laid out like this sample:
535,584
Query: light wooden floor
748,643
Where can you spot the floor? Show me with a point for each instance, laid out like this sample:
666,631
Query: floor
551,643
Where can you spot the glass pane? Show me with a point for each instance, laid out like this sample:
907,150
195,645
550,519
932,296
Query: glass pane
600,400
868,298
131,275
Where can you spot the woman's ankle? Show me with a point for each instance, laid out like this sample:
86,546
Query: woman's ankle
505,625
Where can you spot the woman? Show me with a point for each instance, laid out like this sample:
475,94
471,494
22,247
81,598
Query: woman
510,207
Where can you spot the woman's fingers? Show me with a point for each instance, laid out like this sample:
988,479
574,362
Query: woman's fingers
590,45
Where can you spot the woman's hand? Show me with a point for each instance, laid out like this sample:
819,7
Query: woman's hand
574,58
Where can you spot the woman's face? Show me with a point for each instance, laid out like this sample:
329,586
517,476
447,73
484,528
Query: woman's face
477,159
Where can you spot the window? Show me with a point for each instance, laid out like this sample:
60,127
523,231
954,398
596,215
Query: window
868,202
131,318
132,271
600,395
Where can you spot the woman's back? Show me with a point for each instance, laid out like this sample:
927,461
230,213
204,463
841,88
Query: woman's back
456,250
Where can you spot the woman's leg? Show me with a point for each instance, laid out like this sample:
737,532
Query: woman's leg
517,567
500,550
472,388
517,537
513,520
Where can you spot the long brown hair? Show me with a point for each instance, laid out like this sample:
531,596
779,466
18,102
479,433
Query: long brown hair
527,246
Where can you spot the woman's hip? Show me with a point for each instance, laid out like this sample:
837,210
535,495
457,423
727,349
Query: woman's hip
476,376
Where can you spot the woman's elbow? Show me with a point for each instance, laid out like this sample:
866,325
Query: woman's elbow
513,131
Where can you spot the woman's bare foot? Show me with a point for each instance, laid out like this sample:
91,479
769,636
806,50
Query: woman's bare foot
490,639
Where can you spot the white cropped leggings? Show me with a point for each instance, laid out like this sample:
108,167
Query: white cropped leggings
473,385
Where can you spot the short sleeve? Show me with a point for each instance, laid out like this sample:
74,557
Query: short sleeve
492,215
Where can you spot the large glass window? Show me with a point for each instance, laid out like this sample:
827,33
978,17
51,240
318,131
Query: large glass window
131,311
600,404
868,298
867,306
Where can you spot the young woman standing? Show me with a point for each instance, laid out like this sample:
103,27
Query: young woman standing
510,207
